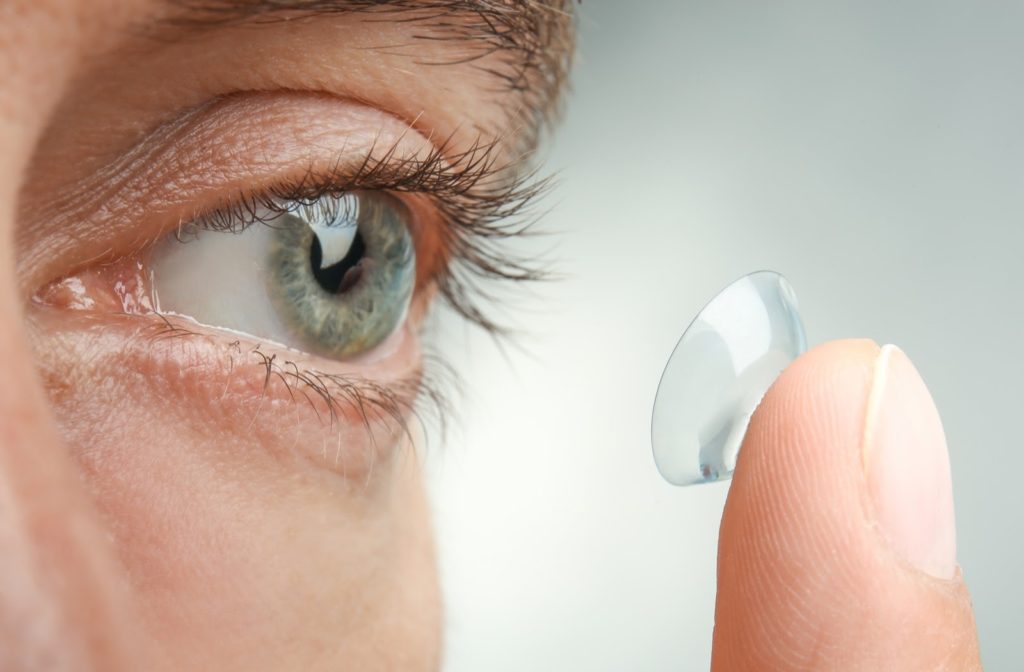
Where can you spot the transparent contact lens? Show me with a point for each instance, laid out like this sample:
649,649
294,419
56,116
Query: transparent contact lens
720,369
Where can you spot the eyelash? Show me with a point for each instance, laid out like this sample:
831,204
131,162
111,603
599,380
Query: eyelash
430,387
478,207
479,204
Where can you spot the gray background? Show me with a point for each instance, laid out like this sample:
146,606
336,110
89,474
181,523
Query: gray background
871,151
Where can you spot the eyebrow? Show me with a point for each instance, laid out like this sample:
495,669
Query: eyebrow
527,46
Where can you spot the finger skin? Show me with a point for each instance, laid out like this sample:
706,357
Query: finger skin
805,579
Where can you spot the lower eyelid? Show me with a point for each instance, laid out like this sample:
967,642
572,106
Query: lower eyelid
260,396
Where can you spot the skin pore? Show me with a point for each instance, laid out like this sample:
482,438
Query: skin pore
213,501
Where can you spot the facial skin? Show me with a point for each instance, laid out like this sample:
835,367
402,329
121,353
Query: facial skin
172,493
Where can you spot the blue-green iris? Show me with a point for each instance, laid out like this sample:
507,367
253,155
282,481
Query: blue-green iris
342,271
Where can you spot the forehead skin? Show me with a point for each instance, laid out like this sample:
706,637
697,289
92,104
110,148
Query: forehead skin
522,47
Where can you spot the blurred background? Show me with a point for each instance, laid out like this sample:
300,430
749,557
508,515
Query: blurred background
871,151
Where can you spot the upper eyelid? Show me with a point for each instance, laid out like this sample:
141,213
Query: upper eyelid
189,164
104,103
472,185
480,198
444,166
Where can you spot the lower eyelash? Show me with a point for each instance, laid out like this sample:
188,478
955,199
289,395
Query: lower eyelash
423,396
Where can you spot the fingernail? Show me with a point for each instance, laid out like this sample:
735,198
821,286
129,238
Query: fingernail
907,466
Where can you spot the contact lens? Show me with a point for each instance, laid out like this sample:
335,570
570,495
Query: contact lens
717,374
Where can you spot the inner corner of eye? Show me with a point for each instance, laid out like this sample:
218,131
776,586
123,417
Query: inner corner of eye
119,287
332,276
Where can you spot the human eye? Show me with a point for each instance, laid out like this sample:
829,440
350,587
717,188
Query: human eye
333,276
309,286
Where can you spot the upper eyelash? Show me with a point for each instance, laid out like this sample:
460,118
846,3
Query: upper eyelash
481,203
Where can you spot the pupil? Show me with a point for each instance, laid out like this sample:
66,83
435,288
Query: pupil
343,275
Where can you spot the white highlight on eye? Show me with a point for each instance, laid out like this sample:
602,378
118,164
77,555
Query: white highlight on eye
335,222
335,242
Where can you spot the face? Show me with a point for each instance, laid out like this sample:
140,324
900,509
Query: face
232,218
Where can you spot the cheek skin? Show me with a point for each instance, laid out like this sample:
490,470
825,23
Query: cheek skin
255,531
243,558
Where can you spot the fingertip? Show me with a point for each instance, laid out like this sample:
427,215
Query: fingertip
819,400
806,580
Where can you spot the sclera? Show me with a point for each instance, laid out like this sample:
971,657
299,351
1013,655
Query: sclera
718,373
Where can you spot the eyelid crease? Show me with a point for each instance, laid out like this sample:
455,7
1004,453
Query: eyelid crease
525,45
